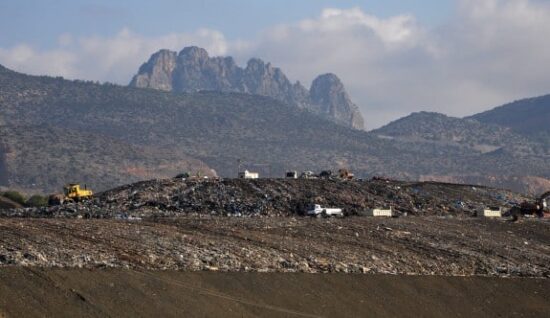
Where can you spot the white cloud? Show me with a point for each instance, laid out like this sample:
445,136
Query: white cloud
113,59
489,52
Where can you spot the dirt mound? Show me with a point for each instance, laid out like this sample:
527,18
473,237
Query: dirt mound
280,197
126,293
6,203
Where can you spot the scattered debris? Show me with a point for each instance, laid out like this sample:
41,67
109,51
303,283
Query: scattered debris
411,246
345,174
308,175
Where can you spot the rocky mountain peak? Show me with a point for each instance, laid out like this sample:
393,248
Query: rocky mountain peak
192,70
328,92
255,64
157,72
194,53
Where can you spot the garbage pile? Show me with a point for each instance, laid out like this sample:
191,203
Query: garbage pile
278,197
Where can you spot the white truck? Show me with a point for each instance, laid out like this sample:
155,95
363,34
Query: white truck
318,211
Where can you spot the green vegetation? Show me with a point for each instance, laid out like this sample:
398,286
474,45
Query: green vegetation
37,201
15,196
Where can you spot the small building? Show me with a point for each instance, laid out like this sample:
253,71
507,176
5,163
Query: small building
492,212
248,175
380,212
291,175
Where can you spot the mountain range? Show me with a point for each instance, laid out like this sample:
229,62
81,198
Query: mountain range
55,131
192,70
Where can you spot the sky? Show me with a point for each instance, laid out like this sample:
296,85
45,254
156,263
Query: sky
395,57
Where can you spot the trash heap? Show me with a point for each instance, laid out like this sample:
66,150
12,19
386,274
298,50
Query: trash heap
278,197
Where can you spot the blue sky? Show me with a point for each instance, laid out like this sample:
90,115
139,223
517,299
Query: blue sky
456,57
40,22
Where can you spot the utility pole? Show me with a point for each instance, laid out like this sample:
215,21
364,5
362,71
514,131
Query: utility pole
239,162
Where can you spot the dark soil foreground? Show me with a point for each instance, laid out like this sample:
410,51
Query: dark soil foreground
31,292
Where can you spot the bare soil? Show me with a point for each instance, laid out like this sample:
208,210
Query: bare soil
32,292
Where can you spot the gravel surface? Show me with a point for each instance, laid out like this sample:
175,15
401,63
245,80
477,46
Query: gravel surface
407,245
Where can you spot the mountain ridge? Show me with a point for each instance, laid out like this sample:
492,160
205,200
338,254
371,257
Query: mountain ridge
192,69
528,116
225,129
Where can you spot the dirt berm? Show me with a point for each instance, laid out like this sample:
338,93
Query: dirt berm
30,292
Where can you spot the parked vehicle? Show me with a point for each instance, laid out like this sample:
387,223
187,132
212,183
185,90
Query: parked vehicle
319,211
291,175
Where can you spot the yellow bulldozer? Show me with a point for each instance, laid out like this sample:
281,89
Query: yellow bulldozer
71,193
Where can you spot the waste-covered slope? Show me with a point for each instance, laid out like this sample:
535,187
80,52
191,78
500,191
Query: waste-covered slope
280,197
407,246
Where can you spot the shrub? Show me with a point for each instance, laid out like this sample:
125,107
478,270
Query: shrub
37,201
15,197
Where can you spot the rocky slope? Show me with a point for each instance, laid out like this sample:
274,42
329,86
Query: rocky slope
42,159
193,70
222,128
528,116
488,140
472,135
